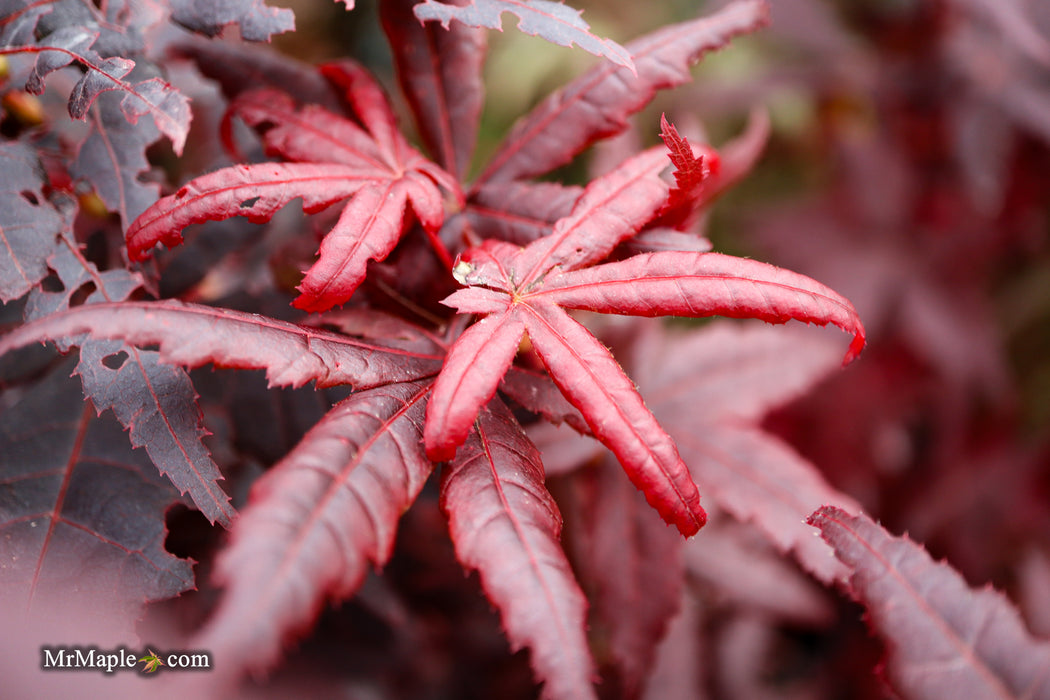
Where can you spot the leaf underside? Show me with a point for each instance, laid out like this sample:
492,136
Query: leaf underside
553,21
372,170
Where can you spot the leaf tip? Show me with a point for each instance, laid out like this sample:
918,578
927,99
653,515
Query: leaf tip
621,56
312,302
692,525
665,126
825,515
440,452
855,346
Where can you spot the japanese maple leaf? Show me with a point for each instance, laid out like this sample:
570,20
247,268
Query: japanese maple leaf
152,662
332,159
527,290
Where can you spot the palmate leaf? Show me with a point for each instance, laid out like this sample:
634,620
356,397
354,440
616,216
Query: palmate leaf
610,209
943,637
553,21
315,521
375,166
506,525
532,285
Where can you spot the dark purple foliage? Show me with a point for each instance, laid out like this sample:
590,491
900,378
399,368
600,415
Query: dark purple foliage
365,357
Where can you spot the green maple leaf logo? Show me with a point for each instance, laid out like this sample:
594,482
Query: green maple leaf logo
152,662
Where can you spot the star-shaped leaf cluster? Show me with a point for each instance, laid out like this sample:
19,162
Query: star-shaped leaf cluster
329,159
529,291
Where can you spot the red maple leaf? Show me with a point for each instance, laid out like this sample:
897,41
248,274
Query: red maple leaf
332,159
527,291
